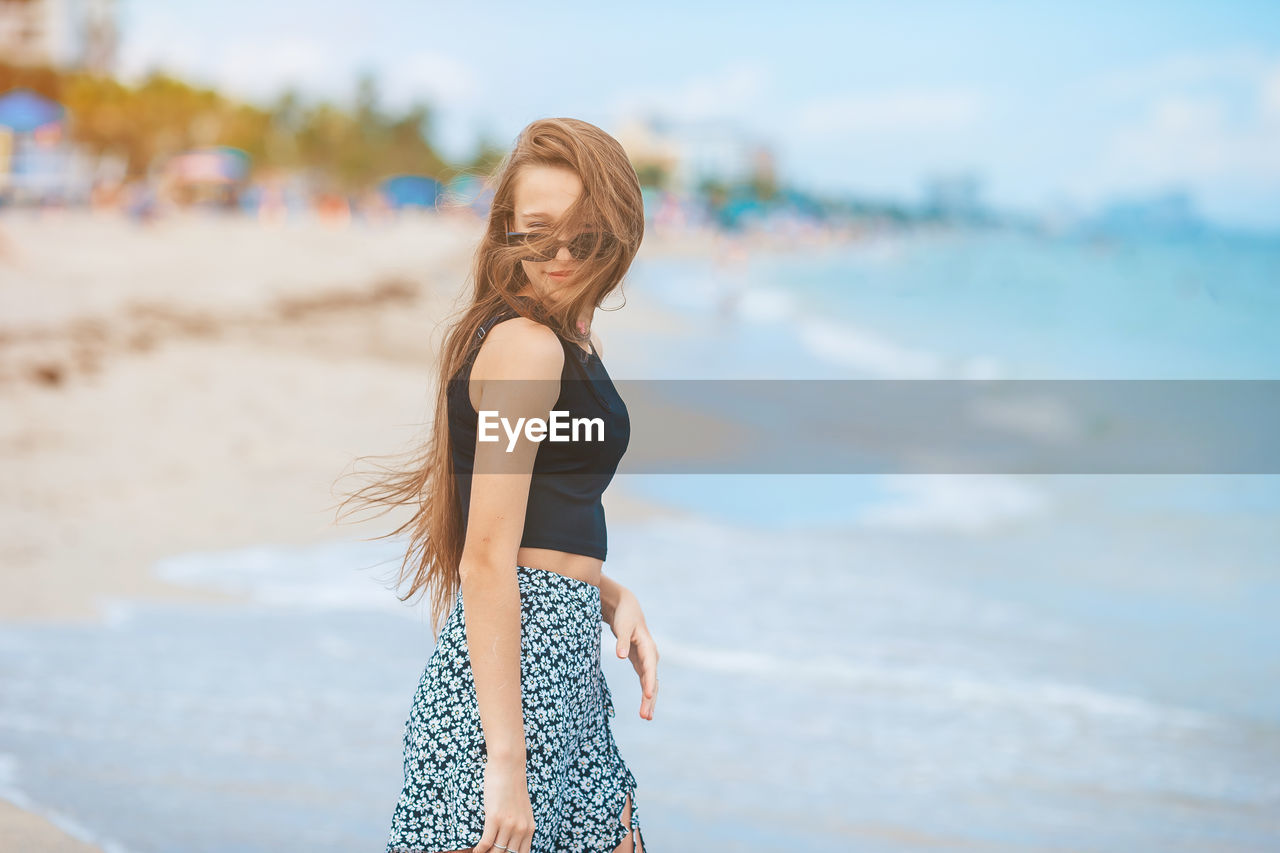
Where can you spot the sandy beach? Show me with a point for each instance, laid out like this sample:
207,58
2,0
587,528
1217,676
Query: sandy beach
201,383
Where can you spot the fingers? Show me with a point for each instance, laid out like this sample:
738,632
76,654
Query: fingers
649,684
648,678
512,836
513,845
645,659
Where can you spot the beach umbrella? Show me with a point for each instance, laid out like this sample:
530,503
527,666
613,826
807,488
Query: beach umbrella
22,110
465,188
411,190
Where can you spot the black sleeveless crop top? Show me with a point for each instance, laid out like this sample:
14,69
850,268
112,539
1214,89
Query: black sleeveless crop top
564,512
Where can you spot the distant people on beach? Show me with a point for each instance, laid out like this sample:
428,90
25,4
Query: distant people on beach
140,202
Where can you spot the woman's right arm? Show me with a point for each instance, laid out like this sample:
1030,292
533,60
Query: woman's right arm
517,374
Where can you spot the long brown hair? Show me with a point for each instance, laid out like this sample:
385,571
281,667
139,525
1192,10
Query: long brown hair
610,201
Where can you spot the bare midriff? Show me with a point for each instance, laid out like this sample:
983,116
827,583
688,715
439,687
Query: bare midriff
578,566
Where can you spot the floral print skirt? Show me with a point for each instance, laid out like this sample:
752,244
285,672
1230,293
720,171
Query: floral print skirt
578,782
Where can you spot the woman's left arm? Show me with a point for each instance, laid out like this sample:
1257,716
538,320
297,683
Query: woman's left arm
621,610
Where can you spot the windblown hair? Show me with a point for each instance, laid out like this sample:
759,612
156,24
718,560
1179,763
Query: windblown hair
610,201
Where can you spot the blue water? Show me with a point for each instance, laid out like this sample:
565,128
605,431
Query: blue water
998,305
848,663
1065,309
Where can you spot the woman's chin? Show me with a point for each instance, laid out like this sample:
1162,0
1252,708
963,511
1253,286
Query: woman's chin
555,287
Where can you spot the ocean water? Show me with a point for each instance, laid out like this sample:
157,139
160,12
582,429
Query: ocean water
848,662
995,305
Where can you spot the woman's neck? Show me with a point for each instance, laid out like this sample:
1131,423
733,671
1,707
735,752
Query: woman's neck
583,323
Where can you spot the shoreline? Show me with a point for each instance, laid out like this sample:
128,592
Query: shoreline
27,828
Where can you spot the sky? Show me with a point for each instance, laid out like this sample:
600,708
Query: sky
1055,107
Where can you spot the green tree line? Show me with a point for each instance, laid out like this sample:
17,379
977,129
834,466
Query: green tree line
351,146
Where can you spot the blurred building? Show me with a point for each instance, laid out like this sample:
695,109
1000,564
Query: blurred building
764,168
1171,213
690,153
81,34
654,156
954,198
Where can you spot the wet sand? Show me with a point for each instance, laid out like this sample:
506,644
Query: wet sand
22,830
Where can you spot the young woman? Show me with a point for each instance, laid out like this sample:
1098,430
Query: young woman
508,744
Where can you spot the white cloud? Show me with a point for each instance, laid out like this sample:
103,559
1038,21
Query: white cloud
1269,97
154,40
1209,123
259,68
253,67
899,111
733,92
1181,71
437,78
1195,137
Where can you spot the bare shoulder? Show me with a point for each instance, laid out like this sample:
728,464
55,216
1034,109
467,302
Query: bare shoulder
595,342
519,348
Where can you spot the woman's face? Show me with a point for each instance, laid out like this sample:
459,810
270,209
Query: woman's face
542,195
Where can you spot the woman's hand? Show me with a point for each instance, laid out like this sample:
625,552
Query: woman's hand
508,814
635,642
